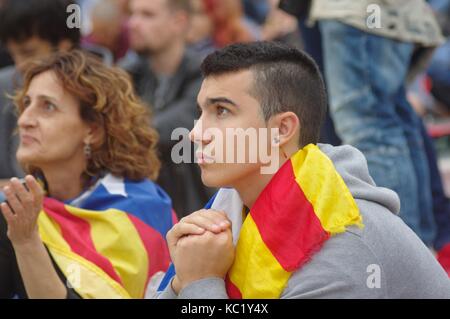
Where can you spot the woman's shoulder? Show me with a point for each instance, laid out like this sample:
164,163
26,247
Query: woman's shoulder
129,193
144,189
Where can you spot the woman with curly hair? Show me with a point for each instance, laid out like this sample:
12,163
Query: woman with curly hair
87,221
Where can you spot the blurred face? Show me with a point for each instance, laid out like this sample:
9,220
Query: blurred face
52,132
226,103
152,25
106,33
226,10
31,48
201,25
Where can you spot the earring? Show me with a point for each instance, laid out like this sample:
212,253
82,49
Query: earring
276,140
87,150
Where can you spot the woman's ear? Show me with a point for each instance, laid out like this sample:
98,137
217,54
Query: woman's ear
288,126
94,135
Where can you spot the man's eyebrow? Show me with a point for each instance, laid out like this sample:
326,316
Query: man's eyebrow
220,100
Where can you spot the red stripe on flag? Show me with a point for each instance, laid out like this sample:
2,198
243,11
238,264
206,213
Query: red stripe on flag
232,291
77,233
155,245
287,223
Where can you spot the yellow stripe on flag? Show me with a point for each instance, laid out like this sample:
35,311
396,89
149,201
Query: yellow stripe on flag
255,271
85,277
325,190
123,248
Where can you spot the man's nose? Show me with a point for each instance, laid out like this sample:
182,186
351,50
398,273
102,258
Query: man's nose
199,134
195,135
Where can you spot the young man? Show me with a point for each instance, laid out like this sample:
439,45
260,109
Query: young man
318,227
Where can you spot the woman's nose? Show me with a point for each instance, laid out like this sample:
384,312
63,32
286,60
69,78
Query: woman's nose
27,118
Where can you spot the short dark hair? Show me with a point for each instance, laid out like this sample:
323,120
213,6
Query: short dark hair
46,19
285,79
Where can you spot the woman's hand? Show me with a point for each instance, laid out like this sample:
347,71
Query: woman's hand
35,265
23,210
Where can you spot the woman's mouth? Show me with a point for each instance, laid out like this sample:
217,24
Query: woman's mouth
27,139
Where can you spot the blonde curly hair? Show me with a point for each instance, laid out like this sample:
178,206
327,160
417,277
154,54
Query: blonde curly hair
106,96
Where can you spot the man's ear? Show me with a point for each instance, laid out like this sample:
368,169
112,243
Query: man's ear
288,125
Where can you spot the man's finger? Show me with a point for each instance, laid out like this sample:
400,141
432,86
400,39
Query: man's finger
219,217
183,229
203,221
212,220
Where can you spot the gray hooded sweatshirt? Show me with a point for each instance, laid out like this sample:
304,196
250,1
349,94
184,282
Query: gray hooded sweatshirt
385,259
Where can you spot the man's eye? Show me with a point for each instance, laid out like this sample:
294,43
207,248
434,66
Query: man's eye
221,111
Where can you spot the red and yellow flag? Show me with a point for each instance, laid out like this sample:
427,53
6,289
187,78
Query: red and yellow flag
113,242
304,204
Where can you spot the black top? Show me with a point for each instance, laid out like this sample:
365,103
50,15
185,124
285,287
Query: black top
11,283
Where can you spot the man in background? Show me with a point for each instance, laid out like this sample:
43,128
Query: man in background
168,78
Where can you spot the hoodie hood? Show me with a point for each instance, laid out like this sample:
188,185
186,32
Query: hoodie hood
352,166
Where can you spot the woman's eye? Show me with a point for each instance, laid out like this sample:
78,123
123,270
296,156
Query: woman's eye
26,102
49,107
221,111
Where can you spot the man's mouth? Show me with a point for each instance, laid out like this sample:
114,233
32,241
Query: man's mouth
202,158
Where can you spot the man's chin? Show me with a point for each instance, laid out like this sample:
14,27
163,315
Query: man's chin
140,50
209,180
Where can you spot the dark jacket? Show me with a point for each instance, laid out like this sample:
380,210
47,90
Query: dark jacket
9,82
174,107
11,283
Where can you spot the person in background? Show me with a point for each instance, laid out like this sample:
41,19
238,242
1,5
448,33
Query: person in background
366,68
5,58
89,204
200,35
109,28
29,29
167,77
256,10
230,24
280,26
